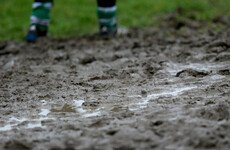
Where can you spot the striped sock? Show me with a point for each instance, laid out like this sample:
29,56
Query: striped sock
41,15
107,16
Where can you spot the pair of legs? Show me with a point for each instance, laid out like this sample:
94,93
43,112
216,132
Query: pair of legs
40,18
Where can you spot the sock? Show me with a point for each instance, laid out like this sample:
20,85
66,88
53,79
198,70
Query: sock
41,14
106,12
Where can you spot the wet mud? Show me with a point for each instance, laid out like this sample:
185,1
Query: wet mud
153,88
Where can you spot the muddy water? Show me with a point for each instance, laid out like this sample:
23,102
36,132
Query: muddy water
149,89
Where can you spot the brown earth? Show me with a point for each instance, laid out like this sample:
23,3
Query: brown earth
154,88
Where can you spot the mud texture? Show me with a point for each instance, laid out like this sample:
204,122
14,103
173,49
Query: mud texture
154,88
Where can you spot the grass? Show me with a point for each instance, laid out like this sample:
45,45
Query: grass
77,17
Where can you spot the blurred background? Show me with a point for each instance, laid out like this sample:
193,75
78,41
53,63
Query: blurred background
78,17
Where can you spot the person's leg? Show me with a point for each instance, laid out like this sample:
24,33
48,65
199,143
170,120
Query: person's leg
39,19
106,12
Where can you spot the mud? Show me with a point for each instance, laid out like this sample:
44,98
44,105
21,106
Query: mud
153,88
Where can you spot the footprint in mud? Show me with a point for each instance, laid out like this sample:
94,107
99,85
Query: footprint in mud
191,72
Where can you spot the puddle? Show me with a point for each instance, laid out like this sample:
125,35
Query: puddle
77,107
32,123
145,101
85,112
13,123
133,105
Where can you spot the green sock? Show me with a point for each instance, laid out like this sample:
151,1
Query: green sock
41,15
107,16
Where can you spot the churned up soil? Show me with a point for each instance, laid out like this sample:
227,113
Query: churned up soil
153,88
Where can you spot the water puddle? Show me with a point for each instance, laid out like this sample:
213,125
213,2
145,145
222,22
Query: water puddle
12,123
174,93
32,123
16,123
132,105
76,107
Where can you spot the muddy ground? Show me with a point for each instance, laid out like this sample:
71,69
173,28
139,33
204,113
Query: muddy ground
154,88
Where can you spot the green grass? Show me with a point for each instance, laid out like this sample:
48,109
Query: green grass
77,17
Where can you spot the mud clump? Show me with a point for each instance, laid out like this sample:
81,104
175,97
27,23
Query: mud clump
224,72
191,72
88,60
150,69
